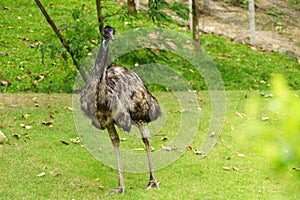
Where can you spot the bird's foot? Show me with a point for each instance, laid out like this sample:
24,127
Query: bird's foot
120,190
151,184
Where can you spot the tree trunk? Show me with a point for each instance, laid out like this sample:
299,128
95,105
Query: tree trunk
131,6
137,5
100,17
195,13
191,14
252,21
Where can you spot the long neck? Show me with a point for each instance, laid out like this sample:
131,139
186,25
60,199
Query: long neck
96,83
98,71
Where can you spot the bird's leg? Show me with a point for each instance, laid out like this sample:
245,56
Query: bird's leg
146,139
116,143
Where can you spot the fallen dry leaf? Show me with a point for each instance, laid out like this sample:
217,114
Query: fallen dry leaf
41,174
54,174
230,168
25,126
181,111
212,134
143,149
25,116
235,169
168,148
51,113
26,135
16,136
69,108
266,95
262,81
3,138
75,140
100,187
296,168
265,118
25,39
226,168
189,147
240,154
198,152
5,7
5,83
164,138
35,83
42,77
253,48
139,149
240,114
35,99
48,123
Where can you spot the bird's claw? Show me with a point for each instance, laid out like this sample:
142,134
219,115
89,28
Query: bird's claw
120,190
151,184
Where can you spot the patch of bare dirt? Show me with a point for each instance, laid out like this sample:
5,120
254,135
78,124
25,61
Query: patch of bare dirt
277,24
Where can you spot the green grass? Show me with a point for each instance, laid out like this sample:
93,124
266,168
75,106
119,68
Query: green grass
23,27
76,174
73,173
243,68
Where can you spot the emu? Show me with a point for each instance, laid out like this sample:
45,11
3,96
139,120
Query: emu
117,96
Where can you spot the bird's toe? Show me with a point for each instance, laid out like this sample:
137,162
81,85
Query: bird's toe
151,184
120,190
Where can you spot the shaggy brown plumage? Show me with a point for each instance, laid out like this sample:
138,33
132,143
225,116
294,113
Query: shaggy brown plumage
118,96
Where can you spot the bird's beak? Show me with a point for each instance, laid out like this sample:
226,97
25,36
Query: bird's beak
112,34
112,37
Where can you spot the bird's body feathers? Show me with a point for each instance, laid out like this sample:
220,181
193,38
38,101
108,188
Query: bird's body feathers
124,99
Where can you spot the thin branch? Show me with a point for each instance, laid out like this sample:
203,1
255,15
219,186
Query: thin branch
61,38
195,21
118,12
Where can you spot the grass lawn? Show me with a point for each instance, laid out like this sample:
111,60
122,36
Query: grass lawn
23,28
35,163
39,161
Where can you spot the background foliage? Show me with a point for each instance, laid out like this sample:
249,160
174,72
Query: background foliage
32,59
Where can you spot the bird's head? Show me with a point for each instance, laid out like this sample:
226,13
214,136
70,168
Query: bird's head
109,33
